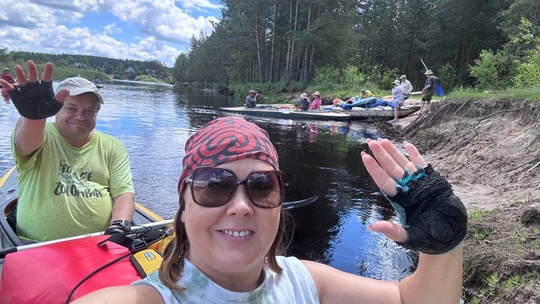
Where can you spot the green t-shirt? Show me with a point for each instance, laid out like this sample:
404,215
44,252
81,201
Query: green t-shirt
66,191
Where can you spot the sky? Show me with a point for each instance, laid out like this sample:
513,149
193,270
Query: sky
123,29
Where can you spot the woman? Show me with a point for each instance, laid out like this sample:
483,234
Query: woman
229,229
317,102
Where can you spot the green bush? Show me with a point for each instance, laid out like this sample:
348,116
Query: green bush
529,71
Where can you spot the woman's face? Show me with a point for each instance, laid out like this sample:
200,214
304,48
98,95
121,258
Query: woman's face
234,238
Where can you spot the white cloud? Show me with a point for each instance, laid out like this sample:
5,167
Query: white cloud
160,29
111,29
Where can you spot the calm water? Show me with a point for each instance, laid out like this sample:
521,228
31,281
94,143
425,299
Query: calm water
320,158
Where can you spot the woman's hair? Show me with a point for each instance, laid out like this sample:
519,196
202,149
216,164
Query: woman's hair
176,251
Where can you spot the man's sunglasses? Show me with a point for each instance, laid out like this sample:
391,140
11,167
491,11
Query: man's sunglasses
214,187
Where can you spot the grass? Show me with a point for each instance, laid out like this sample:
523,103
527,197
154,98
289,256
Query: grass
531,94
496,267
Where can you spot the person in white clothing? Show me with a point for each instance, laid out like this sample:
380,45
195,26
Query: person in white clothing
397,95
229,230
406,87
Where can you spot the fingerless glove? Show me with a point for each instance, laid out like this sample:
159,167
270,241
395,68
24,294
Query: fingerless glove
435,219
35,100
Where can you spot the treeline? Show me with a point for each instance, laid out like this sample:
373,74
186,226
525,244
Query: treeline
302,41
93,66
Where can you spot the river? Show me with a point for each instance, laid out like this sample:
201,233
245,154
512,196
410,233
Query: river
320,158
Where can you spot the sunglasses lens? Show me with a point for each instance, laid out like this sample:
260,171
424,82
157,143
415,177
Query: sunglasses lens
265,189
212,187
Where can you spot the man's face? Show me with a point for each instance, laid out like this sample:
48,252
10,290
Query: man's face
77,118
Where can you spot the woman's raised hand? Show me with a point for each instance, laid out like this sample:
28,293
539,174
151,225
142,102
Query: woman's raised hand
433,220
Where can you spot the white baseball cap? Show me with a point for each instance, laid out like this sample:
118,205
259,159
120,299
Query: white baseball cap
78,86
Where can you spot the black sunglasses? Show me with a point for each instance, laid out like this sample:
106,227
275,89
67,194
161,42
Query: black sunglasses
214,187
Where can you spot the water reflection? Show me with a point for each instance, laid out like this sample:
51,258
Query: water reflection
320,158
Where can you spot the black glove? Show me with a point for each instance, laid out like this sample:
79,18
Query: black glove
434,218
120,226
35,100
114,230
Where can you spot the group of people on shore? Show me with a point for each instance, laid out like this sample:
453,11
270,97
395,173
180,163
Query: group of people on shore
230,227
402,88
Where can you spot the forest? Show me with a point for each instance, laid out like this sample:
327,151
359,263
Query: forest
88,66
340,46
490,44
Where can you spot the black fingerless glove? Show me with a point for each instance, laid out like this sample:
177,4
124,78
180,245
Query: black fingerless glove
114,230
35,100
119,226
434,218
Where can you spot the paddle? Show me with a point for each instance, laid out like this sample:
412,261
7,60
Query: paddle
300,203
143,227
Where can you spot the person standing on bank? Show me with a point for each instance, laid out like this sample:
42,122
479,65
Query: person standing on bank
251,99
406,87
73,179
428,91
397,95
229,230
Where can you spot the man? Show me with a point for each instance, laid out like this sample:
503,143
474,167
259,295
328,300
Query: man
428,90
251,99
73,179
6,76
406,87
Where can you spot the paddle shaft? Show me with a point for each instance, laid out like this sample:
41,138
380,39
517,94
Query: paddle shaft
300,203
425,66
5,251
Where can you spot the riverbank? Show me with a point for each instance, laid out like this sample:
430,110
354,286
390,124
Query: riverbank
489,151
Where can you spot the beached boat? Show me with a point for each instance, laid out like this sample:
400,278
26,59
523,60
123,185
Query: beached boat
382,113
286,113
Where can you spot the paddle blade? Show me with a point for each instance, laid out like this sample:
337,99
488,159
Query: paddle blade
439,91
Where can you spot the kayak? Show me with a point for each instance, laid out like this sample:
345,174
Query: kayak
80,264
286,113
26,270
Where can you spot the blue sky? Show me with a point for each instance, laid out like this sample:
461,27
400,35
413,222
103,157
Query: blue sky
125,29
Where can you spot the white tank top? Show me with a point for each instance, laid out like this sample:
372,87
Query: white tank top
293,285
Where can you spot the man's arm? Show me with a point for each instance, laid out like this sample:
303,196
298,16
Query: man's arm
29,135
35,101
123,207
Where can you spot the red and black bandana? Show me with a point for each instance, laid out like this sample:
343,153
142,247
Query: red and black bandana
223,140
